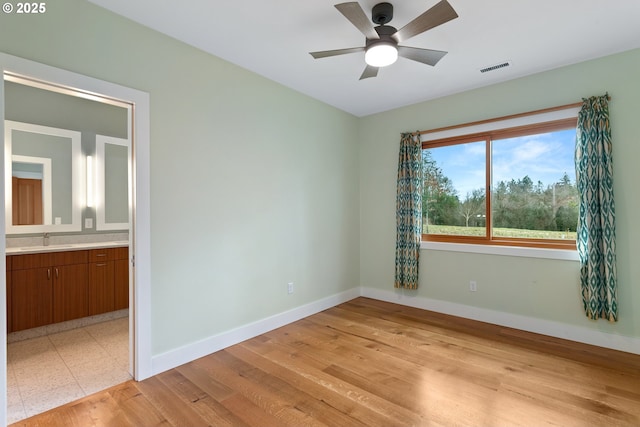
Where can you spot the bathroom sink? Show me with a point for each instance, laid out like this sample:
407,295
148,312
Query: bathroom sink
65,247
31,248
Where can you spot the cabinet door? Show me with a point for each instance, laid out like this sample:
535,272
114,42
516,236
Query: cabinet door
70,292
101,287
8,277
121,285
31,298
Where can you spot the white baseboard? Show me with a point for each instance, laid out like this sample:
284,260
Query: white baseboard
193,351
529,324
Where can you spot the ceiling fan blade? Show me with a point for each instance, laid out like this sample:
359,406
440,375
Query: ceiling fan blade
439,14
326,53
354,13
426,56
369,71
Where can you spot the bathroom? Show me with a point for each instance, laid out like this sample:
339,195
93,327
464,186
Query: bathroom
67,205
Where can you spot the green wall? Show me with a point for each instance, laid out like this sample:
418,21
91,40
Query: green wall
253,185
537,288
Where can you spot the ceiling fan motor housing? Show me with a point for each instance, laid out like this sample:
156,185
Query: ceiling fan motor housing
382,13
385,32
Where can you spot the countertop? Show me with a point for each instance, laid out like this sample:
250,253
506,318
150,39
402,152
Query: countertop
64,247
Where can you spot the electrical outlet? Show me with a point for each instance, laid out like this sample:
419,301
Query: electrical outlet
290,287
473,286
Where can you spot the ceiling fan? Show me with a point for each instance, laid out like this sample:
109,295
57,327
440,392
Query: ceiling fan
381,44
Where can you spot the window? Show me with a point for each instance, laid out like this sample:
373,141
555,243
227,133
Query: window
505,182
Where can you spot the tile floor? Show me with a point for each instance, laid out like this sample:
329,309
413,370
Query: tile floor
48,371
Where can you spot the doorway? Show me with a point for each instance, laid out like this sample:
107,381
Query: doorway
137,103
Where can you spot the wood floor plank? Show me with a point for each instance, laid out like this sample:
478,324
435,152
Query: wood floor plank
250,413
136,406
375,372
168,403
333,391
567,406
391,413
316,399
373,363
256,388
397,358
198,376
208,408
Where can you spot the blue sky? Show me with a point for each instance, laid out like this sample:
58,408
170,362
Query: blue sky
543,157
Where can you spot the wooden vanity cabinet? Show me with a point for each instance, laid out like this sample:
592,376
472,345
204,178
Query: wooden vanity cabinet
8,283
48,288
51,287
108,280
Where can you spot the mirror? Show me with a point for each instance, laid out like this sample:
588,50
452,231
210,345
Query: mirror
32,102
112,183
43,179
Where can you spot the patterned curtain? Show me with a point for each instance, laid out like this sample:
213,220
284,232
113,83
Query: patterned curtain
408,211
596,241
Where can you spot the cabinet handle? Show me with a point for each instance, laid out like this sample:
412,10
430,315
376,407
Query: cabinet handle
101,265
101,254
48,274
56,272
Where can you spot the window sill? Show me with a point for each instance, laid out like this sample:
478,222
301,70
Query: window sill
559,254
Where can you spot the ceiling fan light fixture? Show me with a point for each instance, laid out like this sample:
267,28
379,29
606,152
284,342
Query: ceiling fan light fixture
381,42
381,54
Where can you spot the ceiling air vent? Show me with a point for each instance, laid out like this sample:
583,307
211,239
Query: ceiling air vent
495,67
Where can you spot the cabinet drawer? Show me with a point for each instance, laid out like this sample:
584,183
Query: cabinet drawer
108,254
27,261
69,257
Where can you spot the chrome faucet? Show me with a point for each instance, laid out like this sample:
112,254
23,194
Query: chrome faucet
45,239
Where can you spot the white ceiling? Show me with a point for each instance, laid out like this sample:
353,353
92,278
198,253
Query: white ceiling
273,38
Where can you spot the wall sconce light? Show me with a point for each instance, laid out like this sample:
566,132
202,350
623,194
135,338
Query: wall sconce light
90,182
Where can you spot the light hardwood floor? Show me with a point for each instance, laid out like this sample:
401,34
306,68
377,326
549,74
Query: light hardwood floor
371,363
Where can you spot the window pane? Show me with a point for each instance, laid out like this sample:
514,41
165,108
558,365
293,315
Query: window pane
533,186
453,201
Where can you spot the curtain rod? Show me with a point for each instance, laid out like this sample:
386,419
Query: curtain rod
512,116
